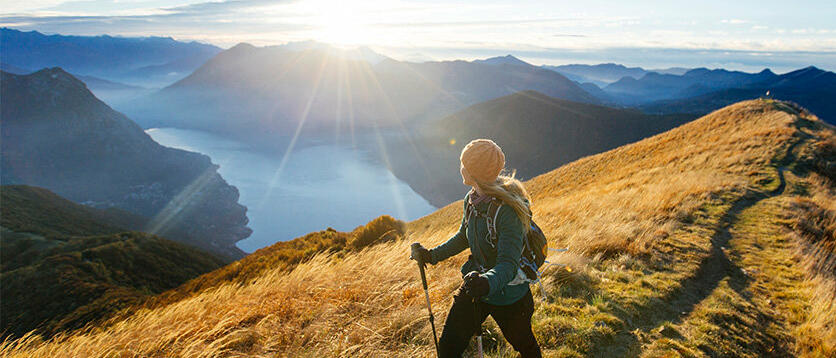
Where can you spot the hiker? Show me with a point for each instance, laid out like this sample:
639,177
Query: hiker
491,266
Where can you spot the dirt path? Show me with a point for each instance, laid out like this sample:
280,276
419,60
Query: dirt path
746,297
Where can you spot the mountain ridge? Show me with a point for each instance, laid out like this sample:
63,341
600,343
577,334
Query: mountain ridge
114,163
810,87
143,61
275,89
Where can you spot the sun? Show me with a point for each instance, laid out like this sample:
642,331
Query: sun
341,22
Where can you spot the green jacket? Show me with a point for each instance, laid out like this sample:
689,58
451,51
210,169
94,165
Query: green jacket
502,261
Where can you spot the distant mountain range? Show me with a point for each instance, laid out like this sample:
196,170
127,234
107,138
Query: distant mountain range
536,132
703,91
57,135
272,89
699,91
606,73
139,61
654,86
65,265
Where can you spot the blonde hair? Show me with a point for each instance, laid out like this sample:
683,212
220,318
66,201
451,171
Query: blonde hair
512,193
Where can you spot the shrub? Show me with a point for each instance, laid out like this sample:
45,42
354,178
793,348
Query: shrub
384,228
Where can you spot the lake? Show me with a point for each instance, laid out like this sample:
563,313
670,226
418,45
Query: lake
318,186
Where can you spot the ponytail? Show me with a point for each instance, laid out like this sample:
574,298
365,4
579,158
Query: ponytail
512,193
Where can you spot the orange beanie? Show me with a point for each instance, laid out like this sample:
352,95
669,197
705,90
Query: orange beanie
483,160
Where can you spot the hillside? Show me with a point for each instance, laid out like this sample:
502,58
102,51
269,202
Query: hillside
715,238
258,91
113,162
38,210
65,265
537,133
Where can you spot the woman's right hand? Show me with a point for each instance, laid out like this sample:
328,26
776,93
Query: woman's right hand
420,253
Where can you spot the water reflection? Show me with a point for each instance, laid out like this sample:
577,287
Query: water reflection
320,186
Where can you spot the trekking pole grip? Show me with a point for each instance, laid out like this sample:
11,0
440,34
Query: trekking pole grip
417,257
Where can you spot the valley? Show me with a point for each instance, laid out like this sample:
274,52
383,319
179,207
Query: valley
319,183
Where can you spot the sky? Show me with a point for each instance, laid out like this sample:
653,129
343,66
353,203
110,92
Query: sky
741,35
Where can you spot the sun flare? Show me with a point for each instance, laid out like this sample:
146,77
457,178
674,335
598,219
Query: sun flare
342,22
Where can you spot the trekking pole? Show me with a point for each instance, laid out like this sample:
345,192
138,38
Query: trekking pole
415,246
478,327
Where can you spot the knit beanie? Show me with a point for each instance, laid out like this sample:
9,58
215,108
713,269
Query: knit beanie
483,160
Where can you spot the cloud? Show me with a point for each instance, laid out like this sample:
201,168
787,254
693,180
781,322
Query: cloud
204,21
733,21
222,7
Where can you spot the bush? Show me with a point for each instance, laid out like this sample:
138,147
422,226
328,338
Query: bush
384,228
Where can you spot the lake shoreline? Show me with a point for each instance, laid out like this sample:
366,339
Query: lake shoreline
317,185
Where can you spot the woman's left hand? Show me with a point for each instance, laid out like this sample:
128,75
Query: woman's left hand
476,285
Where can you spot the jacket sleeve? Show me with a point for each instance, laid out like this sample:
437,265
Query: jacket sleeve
509,249
454,245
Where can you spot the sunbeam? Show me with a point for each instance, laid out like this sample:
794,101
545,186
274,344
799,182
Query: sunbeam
164,220
396,195
338,106
394,115
295,137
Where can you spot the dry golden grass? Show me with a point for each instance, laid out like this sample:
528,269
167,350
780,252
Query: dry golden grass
814,223
619,212
285,255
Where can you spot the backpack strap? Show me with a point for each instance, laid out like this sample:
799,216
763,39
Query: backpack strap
491,217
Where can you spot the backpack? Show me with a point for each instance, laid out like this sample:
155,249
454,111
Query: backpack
535,245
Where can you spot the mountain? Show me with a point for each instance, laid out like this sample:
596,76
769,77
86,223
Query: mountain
537,133
654,86
715,238
811,87
65,265
601,74
140,61
109,91
503,60
57,135
269,91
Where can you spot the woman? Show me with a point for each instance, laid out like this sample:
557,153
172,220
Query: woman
490,271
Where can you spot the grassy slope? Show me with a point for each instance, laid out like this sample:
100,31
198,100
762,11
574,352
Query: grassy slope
285,255
76,219
659,231
64,264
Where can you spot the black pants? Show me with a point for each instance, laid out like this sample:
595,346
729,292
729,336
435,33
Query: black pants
514,320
